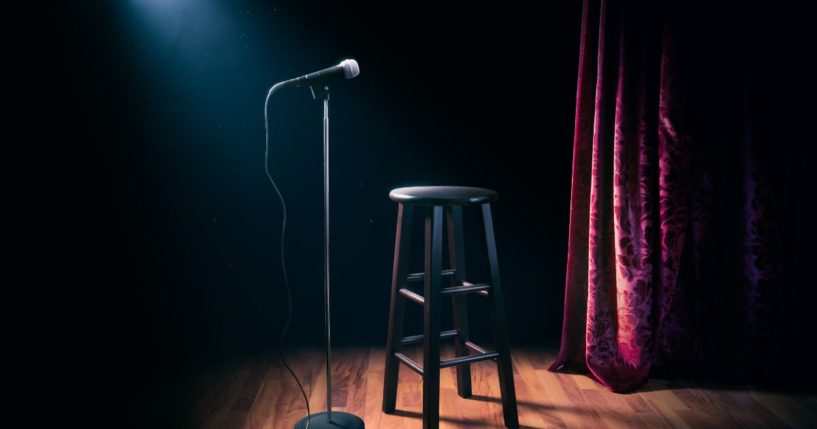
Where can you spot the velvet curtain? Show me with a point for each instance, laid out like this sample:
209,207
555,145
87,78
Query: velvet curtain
680,201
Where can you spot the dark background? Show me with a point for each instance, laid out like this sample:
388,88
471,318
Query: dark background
170,228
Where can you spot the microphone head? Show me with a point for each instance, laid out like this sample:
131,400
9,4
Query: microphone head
350,68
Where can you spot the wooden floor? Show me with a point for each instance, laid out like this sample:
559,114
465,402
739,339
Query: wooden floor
258,393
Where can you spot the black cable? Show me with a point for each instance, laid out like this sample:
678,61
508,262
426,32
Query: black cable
283,263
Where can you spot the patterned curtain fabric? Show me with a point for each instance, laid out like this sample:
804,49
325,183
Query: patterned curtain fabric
674,254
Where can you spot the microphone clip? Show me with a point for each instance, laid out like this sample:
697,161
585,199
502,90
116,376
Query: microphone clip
319,91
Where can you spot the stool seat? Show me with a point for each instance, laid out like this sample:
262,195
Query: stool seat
442,195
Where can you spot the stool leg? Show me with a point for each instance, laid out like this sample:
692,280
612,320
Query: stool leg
402,245
504,367
431,316
456,254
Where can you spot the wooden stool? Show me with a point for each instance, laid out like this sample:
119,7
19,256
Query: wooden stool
433,200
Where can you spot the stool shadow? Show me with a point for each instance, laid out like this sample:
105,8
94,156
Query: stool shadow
539,406
461,421
590,412
625,418
419,415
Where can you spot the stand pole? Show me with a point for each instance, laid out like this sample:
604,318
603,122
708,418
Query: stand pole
326,306
328,419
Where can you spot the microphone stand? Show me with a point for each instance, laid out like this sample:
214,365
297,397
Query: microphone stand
328,419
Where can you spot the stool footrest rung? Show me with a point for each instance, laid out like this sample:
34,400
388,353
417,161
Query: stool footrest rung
417,277
409,363
415,339
465,288
475,347
445,363
468,359
483,293
479,289
414,296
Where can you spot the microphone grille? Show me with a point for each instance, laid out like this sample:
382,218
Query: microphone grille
350,68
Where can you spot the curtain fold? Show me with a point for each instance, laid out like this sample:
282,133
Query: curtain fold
671,251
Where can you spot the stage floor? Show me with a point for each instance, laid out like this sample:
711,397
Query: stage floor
257,393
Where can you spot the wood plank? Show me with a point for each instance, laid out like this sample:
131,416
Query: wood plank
646,412
212,383
373,381
709,404
240,411
357,396
612,408
570,412
263,412
574,394
666,404
290,407
410,384
786,409
226,395
532,399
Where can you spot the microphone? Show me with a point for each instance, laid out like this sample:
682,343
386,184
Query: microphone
347,69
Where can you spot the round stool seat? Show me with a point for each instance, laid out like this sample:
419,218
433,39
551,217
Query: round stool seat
442,195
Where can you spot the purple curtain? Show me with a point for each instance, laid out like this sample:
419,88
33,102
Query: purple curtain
675,250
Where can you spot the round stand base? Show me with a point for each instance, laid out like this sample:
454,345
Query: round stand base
339,421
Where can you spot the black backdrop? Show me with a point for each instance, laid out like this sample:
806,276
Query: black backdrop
169,228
